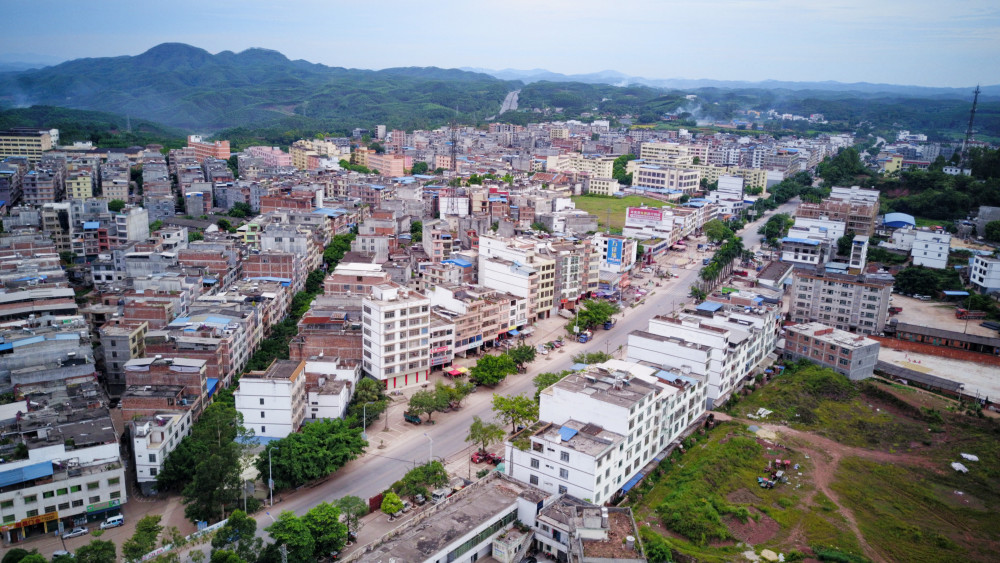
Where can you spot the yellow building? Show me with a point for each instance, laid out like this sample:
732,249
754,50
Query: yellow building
23,141
80,185
603,186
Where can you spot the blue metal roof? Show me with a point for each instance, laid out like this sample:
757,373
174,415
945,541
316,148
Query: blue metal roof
91,225
25,473
567,433
578,367
709,306
212,384
956,293
899,220
460,262
808,241
632,482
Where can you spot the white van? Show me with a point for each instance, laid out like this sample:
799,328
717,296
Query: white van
439,495
113,522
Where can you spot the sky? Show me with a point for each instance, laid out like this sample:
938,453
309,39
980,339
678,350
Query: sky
912,42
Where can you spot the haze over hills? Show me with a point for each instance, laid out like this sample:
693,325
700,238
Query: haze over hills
620,79
187,87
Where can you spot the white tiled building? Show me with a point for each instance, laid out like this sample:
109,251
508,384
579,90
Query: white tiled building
396,342
153,438
931,249
273,402
985,274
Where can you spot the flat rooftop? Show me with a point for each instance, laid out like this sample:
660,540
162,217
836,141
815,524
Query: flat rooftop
484,501
602,387
840,337
589,439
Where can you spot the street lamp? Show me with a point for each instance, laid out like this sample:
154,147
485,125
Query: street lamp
270,474
430,453
364,420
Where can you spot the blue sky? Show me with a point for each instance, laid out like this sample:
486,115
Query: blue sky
918,42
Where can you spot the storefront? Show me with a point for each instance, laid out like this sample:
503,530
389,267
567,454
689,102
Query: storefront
31,526
100,511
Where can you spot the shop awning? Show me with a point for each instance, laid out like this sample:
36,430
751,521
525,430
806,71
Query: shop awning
513,332
212,383
463,369
454,372
632,482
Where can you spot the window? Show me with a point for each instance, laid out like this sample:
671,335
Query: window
7,504
31,513
562,490
93,485
116,494
152,459
95,499
75,489
115,481
262,400
533,479
64,506
261,429
536,447
534,463
77,503
262,414
50,509
62,492
30,499
564,473
564,456
48,494
152,472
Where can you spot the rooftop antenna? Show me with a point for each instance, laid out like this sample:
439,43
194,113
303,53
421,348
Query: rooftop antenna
968,131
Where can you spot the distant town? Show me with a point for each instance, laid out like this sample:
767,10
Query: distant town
535,342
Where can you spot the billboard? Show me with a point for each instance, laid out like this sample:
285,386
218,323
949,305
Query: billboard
643,215
615,250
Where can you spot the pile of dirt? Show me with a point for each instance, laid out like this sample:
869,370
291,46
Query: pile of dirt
743,496
754,532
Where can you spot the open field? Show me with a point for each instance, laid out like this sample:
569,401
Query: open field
873,483
599,206
938,315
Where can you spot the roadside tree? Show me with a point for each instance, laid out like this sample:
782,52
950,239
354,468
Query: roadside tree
291,531
491,370
353,508
484,434
391,504
517,410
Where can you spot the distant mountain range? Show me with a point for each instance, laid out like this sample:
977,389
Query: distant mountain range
259,95
616,78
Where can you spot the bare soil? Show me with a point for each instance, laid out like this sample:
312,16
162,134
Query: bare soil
753,532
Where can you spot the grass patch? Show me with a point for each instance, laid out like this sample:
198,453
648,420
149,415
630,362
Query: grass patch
599,205
900,511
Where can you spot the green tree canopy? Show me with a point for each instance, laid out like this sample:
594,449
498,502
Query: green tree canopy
416,231
423,402
367,392
97,551
418,480
926,281
116,205
491,370
240,210
143,540
544,380
717,231
419,168
523,354
517,410
353,508
321,448
484,434
845,243
619,167
992,231
593,313
239,537
291,531
328,532
391,503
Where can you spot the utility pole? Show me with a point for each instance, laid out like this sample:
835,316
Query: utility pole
270,475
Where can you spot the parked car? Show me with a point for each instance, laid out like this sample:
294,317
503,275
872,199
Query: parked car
412,418
439,495
76,532
481,457
496,459
419,500
113,522
407,506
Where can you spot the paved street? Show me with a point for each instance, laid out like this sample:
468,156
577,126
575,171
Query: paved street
392,452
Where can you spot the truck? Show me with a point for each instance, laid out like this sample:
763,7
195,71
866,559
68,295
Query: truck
961,313
584,336
609,324
566,313
412,418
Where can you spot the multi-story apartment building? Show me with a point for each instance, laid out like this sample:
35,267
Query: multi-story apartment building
396,326
679,181
39,187
985,274
273,401
27,142
602,186
848,354
519,266
616,253
856,303
931,249
598,429
722,343
595,166
80,184
121,341
270,156
203,149
857,208
153,438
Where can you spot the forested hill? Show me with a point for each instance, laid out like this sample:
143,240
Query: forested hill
184,86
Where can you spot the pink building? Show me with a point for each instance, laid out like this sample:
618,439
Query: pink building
271,156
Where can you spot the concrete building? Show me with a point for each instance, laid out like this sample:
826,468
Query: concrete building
273,401
396,343
519,266
204,149
848,354
677,181
724,344
931,249
985,274
856,303
27,142
617,254
153,438
602,186
595,166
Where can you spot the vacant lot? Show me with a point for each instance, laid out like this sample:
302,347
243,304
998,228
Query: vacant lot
873,483
600,205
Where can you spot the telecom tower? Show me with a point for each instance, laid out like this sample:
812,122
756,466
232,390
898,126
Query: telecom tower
454,146
968,132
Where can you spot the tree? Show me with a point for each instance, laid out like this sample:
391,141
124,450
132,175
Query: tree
97,551
224,225
419,168
61,558
541,227
353,508
240,210
591,358
34,558
291,531
926,281
491,370
618,169
717,231
67,257
546,379
420,478
391,504
845,243
463,389
592,313
144,539
370,392
195,235
439,170
321,448
116,205
239,537
484,434
523,354
417,231
225,556
423,402
377,147
517,410
155,226
16,554
992,231
328,532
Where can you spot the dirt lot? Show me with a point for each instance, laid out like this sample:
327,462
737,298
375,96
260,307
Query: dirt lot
937,315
